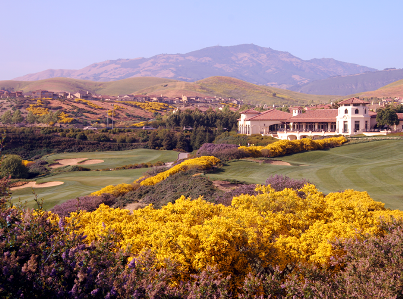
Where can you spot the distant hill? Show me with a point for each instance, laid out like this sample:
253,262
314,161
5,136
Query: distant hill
126,86
227,87
351,84
250,63
392,90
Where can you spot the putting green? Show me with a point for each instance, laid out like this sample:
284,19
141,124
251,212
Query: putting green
117,158
81,183
375,167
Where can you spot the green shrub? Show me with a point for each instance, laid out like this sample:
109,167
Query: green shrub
12,165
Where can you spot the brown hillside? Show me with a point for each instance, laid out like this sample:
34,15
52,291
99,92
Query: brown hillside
392,90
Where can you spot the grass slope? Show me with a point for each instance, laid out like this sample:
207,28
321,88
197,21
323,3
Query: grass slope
85,182
375,167
125,86
228,87
392,90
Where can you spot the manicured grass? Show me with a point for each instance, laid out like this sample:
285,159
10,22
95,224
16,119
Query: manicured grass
118,158
78,183
81,183
375,167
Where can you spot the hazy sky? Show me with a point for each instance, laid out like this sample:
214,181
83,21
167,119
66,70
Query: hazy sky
58,34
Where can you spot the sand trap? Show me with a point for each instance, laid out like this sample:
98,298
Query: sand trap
88,162
279,163
35,185
77,161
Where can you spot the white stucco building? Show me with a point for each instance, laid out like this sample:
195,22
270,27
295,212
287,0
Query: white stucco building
352,117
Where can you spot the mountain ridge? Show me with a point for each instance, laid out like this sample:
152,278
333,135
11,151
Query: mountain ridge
247,62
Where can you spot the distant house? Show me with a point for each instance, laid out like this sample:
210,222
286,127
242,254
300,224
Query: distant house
351,118
42,94
86,95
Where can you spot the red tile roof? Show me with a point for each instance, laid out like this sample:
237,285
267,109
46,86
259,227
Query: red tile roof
272,114
318,115
353,101
250,111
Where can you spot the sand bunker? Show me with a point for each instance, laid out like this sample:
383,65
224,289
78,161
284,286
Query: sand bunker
35,185
279,163
88,162
77,161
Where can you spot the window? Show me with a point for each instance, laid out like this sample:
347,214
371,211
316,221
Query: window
357,125
366,125
356,111
345,127
365,110
346,111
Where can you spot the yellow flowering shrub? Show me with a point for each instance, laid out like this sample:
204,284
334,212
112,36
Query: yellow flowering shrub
89,103
36,109
285,147
115,190
150,106
25,162
140,124
265,230
64,118
204,162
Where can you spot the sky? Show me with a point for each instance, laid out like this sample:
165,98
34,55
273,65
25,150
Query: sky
48,34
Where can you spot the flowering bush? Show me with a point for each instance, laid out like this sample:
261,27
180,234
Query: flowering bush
150,106
204,162
274,229
116,190
89,103
286,147
64,118
223,152
84,203
279,182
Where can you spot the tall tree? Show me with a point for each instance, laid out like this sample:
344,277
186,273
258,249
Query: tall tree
31,118
387,117
17,117
7,117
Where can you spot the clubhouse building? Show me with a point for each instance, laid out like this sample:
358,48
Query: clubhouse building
351,118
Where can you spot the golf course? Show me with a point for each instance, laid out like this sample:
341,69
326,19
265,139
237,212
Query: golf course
375,167
81,183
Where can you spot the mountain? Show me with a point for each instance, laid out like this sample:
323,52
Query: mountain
351,84
250,63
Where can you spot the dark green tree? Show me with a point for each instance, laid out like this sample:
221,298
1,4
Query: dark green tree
387,117
31,118
153,141
7,117
17,117
12,165
168,142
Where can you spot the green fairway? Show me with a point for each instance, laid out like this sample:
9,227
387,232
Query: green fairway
114,159
375,167
81,183
78,183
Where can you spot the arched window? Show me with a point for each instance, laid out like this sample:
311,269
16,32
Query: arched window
365,110
356,111
346,111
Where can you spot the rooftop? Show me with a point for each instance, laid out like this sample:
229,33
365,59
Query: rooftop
272,114
318,115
